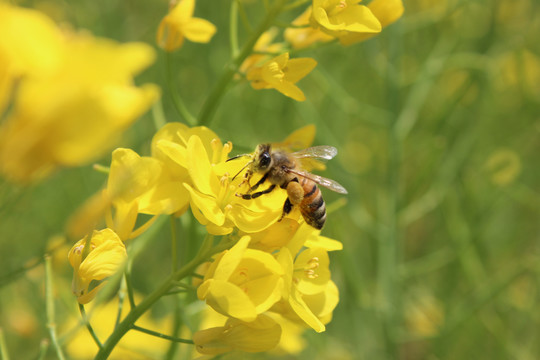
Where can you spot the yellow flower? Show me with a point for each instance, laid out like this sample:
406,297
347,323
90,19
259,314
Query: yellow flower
134,345
180,24
74,111
30,45
107,252
303,36
282,74
141,185
263,45
262,334
386,11
213,199
311,296
340,18
242,283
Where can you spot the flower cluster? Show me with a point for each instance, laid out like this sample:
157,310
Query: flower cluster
64,97
271,283
275,279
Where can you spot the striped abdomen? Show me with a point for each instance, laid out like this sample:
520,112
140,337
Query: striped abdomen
312,206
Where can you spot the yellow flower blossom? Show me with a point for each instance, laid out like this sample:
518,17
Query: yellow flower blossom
180,24
311,295
386,11
262,334
303,35
30,45
107,252
282,74
242,283
71,113
263,45
213,199
340,18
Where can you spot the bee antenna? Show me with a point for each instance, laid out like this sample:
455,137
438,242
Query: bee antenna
237,156
242,169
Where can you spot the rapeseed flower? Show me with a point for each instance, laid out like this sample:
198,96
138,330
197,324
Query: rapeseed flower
303,35
107,252
340,18
282,74
213,200
180,24
242,283
69,111
261,334
386,11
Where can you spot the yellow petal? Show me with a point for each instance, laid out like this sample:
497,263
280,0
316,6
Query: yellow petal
298,68
207,205
199,30
228,299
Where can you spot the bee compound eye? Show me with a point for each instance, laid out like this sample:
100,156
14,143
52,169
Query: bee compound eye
265,160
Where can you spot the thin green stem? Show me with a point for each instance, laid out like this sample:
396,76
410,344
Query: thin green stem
244,16
89,327
177,100
49,303
295,4
121,298
129,287
3,348
43,347
158,115
233,28
160,335
174,245
212,101
177,324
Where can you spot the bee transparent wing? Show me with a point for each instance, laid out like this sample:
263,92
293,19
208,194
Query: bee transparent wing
327,183
325,152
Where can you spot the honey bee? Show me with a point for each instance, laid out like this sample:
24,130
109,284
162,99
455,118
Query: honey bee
284,169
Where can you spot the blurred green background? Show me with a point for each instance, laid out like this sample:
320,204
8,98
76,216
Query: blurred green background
437,122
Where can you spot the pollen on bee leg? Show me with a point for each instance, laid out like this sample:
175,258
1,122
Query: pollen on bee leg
295,192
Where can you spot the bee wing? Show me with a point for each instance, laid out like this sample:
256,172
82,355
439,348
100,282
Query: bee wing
327,183
325,152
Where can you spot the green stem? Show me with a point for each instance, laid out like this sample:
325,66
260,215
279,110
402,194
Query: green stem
160,335
89,327
3,348
129,287
174,245
129,321
212,101
177,100
43,347
233,28
49,298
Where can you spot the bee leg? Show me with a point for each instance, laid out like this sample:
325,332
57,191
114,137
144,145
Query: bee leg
287,207
257,194
254,187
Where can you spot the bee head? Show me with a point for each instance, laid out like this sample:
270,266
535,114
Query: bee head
262,159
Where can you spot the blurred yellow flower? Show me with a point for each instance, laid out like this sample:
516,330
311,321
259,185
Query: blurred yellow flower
504,166
262,334
340,18
72,112
134,345
304,35
242,283
180,24
282,74
107,252
386,11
